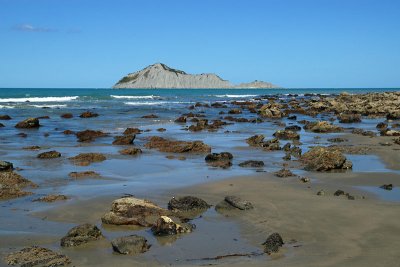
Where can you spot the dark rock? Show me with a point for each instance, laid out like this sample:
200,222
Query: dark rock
381,125
28,123
131,245
166,226
293,128
11,185
255,140
68,132
181,119
325,159
363,132
187,203
51,198
221,160
89,135
349,118
252,163
130,131
397,141
23,135
84,174
284,173
88,114
170,146
124,140
131,151
85,159
37,256
5,117
395,115
6,166
286,134
49,155
67,116
43,117
293,117
81,234
387,186
161,130
338,140
273,243
150,116
238,203
322,127
235,111
2,125
339,193
31,147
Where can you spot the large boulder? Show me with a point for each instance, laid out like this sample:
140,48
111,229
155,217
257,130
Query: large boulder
85,159
37,257
166,226
324,159
133,211
28,123
130,245
187,203
81,234
11,185
172,146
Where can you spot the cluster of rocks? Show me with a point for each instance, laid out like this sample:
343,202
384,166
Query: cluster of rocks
259,141
325,159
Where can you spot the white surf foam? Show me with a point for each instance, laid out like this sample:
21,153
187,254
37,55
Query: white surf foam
48,106
134,96
38,99
154,103
235,96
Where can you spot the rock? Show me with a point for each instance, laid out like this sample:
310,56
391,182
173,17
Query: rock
131,245
338,140
286,134
6,166
31,147
67,116
387,186
124,140
84,174
28,123
235,111
273,243
389,132
363,132
131,151
221,160
255,140
181,119
51,198
349,118
170,146
234,202
49,155
252,163
89,135
293,117
187,203
129,131
258,141
133,211
68,132
161,130
293,128
322,127
81,234
88,114
394,115
166,226
397,141
85,159
339,193
23,135
284,173
271,110
321,193
2,125
324,159
5,117
11,185
305,179
150,116
37,256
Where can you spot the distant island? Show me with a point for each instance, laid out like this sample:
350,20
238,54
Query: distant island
161,76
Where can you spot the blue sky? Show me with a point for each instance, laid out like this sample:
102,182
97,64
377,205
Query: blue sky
292,43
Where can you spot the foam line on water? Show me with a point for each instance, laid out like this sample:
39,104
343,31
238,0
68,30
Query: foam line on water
39,99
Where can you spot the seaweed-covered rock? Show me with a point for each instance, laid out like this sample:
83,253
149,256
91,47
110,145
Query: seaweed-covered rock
81,234
28,123
88,114
322,127
252,163
11,185
166,226
89,135
221,160
187,203
6,166
129,131
133,211
85,159
271,110
131,245
172,146
324,159
286,134
124,140
49,155
349,118
256,140
133,151
5,117
273,243
37,256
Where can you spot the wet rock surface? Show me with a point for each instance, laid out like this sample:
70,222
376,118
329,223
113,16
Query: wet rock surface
89,135
129,131
286,134
85,159
172,146
83,174
88,114
133,151
124,140
273,243
187,203
37,256
349,118
133,211
6,166
322,127
12,185
252,164
49,155
51,198
81,234
284,173
5,117
233,203
387,186
219,160
130,245
166,226
325,159
28,123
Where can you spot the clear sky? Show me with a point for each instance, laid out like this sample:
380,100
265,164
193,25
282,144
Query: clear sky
292,43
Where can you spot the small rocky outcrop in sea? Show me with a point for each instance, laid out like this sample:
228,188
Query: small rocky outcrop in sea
129,131
271,110
363,132
387,186
49,155
337,140
233,203
324,159
28,123
12,185
85,159
67,116
6,166
133,211
322,127
150,116
5,117
284,173
349,118
286,134
37,257
88,114
252,164
273,243
166,226
89,135
187,203
51,198
172,146
83,174
133,151
124,140
219,160
293,128
130,245
258,141
81,234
